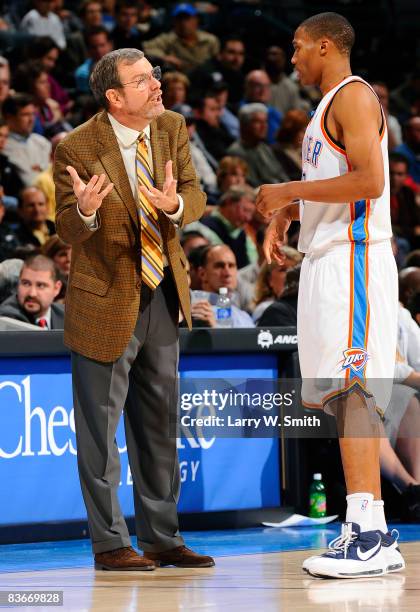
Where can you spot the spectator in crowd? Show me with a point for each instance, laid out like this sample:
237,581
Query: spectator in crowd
411,147
231,171
9,174
227,118
191,240
284,93
32,78
247,276
45,182
413,307
9,276
90,13
195,257
60,253
35,227
405,214
394,127
175,86
125,33
37,289
225,225
271,281
41,21
215,136
409,284
283,311
186,47
47,52
412,259
288,148
405,99
71,23
218,269
263,166
204,162
8,240
4,80
227,66
258,90
29,152
402,423
98,43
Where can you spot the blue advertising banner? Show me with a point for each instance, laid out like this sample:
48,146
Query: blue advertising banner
38,456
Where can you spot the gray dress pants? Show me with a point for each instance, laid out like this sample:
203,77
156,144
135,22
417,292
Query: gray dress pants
143,381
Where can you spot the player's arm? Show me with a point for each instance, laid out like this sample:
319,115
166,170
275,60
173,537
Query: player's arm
355,112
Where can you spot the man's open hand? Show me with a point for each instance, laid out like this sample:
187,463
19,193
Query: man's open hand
165,200
89,196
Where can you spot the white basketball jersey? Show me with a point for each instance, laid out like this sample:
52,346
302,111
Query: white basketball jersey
323,225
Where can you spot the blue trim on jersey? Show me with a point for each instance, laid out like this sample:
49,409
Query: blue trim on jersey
360,301
358,225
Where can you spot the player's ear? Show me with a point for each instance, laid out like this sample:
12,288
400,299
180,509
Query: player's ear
324,45
114,97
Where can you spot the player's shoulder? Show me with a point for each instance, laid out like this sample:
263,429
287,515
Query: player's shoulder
355,98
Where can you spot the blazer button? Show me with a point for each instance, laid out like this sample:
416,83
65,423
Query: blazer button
138,284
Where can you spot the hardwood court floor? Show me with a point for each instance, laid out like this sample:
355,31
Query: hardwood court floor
270,582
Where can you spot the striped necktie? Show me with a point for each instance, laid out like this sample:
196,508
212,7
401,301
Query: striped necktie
151,239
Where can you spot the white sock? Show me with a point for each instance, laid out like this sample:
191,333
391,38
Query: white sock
378,516
359,510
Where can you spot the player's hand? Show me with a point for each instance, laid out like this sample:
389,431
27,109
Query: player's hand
165,200
272,198
276,237
202,310
89,196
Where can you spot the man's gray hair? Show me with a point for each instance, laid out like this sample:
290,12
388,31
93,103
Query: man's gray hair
247,111
236,193
105,73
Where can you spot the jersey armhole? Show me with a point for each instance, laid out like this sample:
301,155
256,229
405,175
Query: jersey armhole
337,143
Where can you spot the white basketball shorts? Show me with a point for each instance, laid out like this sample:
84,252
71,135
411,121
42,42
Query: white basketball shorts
347,322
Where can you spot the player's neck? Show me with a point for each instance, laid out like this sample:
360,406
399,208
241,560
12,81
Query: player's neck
333,75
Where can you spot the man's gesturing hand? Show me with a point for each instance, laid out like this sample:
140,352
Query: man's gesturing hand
89,196
276,236
165,200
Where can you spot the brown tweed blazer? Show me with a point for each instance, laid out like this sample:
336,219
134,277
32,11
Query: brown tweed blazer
103,294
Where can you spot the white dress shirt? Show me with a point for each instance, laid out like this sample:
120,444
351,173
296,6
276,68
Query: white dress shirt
127,142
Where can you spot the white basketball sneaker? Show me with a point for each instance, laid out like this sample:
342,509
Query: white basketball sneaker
354,554
393,557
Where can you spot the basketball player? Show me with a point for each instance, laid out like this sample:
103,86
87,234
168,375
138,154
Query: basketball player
347,310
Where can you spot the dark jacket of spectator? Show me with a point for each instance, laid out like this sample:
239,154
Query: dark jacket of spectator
24,234
281,312
9,177
11,308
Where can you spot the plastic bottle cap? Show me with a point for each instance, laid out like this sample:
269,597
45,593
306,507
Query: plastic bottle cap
223,291
317,476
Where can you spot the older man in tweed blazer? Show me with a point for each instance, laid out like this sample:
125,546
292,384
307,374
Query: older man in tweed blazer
124,183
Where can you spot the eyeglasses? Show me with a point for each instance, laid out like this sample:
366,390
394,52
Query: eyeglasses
144,80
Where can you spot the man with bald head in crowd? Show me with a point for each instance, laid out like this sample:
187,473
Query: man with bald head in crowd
35,227
258,89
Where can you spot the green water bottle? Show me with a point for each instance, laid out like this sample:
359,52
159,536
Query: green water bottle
317,498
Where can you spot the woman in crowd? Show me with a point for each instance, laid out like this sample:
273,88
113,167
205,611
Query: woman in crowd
174,88
270,281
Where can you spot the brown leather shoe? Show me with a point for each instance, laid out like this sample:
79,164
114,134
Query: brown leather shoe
181,556
123,560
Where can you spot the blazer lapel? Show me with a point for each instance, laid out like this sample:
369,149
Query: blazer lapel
159,140
110,156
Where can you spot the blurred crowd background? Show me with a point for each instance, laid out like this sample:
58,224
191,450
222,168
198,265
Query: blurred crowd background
226,68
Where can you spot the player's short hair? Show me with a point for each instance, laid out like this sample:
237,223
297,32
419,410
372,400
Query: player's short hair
333,26
105,74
